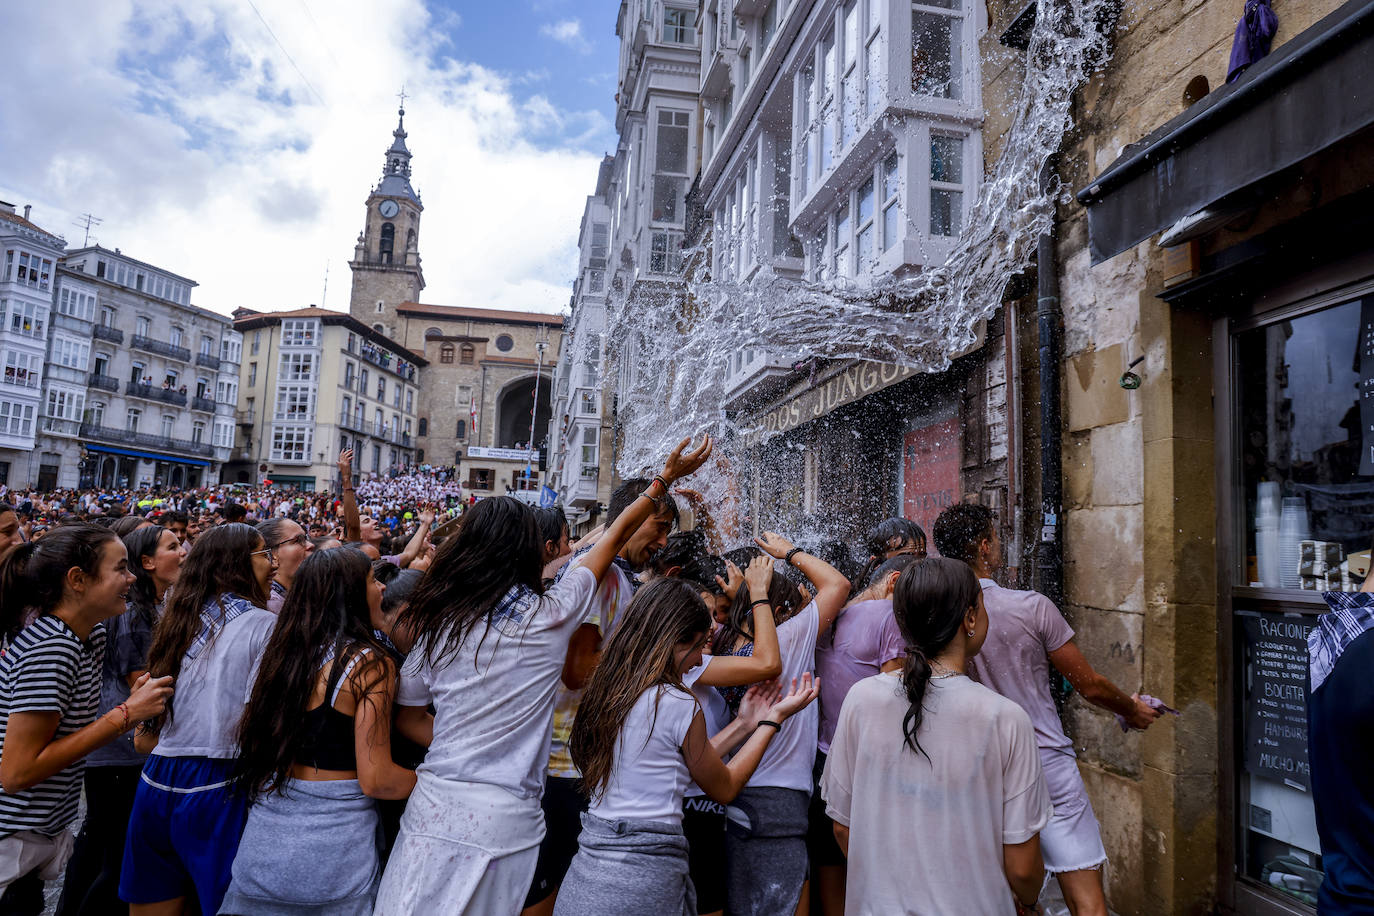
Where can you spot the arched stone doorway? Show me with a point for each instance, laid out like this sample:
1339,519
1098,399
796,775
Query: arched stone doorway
513,409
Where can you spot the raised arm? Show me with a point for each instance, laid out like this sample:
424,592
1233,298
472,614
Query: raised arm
417,541
678,465
832,588
353,526
766,662
1068,659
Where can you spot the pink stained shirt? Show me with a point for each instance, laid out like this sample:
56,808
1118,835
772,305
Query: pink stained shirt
1024,627
862,639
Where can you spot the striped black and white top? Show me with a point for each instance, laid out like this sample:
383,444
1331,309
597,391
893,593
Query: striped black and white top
49,669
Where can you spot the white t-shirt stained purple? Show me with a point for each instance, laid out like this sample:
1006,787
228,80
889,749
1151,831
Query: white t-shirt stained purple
862,640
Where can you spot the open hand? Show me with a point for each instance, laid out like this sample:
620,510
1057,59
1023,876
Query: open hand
758,574
149,697
730,585
774,544
679,465
346,466
800,697
758,701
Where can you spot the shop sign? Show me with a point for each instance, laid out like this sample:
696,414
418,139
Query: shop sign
504,454
1366,387
1276,700
855,381
931,457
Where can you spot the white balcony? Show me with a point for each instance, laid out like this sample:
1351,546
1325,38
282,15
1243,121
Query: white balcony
753,374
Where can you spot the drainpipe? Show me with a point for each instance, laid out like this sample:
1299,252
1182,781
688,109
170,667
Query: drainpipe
1049,555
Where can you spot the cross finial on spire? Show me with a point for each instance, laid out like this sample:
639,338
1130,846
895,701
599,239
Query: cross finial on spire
402,96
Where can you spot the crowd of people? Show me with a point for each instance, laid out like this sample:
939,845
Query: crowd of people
275,705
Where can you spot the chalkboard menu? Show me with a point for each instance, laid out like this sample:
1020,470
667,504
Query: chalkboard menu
1276,697
1367,387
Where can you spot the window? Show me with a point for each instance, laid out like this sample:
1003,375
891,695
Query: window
16,419
589,446
670,166
362,381
227,391
424,426
937,49
131,419
299,332
257,338
679,26
410,400
22,369
198,431
665,253
386,244
946,185
33,270
596,281
851,80
97,414
107,316
207,346
892,202
224,434
252,374
69,352
600,234
350,370
462,432
863,249
466,354
137,375
168,424
396,395
77,304
381,387
171,378
290,443
352,341
176,336
587,404
504,343
446,353
143,326
297,367
26,319
839,245
202,387
295,403
230,350
65,403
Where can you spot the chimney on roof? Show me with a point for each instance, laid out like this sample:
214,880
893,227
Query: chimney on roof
27,209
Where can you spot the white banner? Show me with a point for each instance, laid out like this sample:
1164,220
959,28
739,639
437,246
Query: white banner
504,454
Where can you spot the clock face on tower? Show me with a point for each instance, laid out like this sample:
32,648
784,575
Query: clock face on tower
389,208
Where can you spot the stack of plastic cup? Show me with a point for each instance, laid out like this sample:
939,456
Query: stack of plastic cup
1294,528
1267,534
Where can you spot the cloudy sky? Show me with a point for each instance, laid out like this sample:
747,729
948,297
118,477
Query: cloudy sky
235,141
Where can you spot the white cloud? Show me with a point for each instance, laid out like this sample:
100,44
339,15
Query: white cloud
567,32
185,126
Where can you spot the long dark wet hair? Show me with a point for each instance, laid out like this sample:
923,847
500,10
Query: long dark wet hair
638,656
140,543
220,561
496,548
33,575
889,534
930,601
325,615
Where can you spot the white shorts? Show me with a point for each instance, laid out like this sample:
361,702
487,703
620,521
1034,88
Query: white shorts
1072,840
27,851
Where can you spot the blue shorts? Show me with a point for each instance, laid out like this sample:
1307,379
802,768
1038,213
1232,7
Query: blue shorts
183,833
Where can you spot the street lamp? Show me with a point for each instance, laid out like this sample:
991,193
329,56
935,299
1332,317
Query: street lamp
541,342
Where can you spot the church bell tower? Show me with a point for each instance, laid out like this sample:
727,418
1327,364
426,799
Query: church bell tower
386,260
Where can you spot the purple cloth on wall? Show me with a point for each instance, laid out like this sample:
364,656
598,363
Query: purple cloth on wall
1254,35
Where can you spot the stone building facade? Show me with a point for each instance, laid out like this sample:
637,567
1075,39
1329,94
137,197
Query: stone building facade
315,382
490,376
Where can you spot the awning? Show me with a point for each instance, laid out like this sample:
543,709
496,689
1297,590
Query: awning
1312,92
151,456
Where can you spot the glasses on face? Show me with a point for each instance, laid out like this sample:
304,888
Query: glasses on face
299,540
271,557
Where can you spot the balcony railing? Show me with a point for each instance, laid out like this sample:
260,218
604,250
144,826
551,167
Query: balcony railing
154,393
387,361
590,472
147,440
105,332
207,360
349,421
108,382
243,416
139,342
205,404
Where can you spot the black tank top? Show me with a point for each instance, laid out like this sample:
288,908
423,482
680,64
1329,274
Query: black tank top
327,740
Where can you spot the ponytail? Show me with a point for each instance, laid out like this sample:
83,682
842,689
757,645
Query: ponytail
33,576
930,601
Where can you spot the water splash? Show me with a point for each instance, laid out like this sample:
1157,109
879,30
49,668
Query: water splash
677,346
